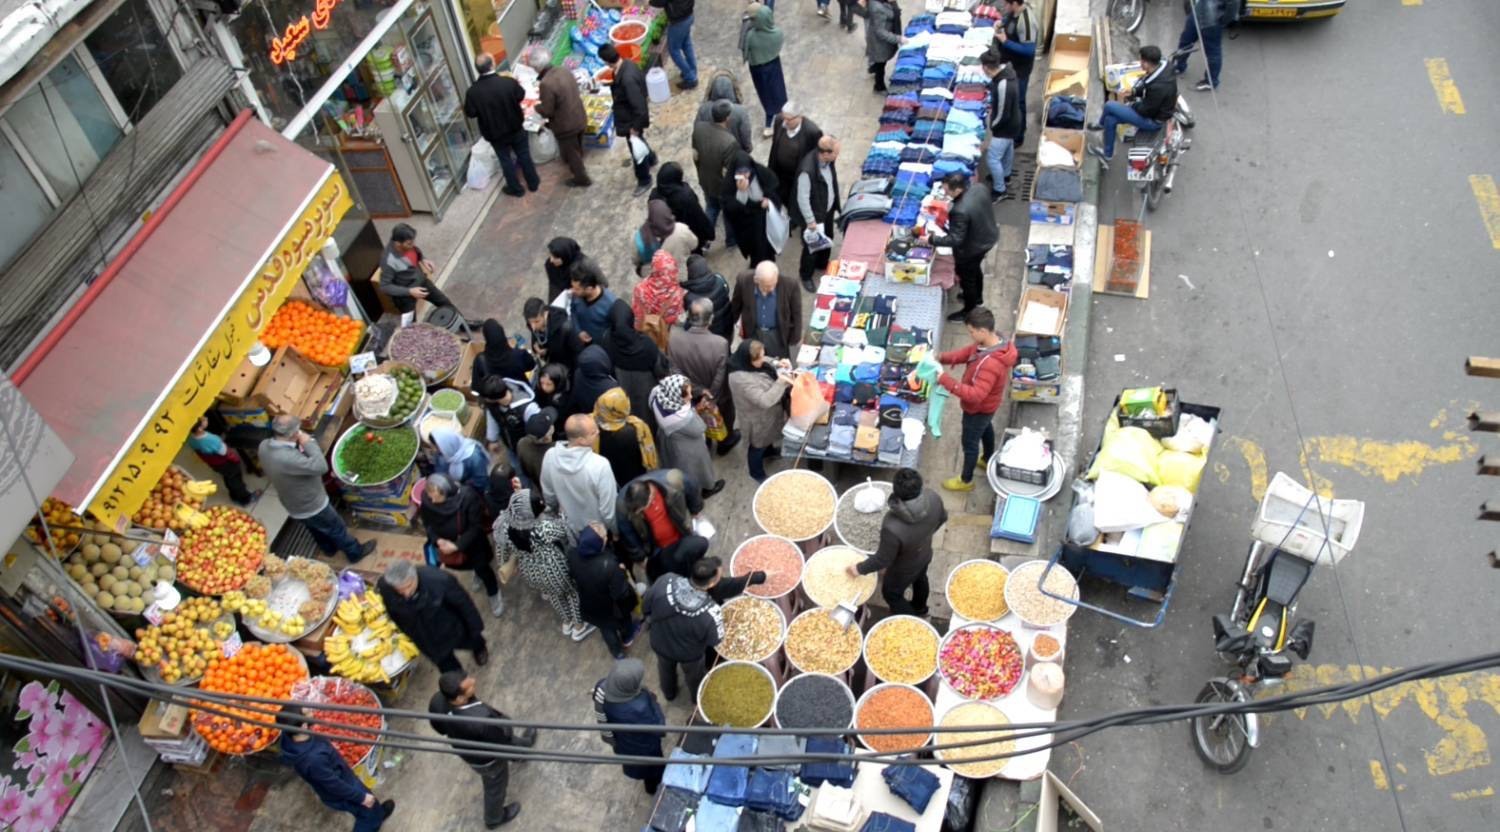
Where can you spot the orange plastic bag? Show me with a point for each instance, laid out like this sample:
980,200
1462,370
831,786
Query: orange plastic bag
808,404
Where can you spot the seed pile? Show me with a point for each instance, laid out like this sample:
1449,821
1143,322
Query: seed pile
902,649
975,713
895,707
778,557
736,695
977,591
1030,605
826,579
794,504
857,528
752,629
981,662
1045,647
814,701
818,644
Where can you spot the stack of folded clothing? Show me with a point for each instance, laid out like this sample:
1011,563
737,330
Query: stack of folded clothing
984,15
922,23
907,72
1038,358
1050,266
952,23
884,158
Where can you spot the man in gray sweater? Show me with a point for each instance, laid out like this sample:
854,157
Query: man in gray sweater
295,465
578,481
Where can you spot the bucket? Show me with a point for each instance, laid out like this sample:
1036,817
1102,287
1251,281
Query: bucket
657,86
627,36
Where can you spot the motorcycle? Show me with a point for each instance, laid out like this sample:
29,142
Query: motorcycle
1294,531
1154,157
1128,13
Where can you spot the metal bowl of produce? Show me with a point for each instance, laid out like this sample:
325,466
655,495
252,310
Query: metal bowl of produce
754,629
295,589
891,705
411,402
389,453
976,590
817,643
737,695
434,351
1035,609
902,649
778,557
814,701
796,504
857,529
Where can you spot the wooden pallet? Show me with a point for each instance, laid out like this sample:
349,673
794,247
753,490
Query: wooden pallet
1104,244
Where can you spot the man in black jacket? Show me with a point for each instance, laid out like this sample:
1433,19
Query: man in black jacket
1006,122
680,39
818,205
971,235
495,102
606,597
685,623
1153,101
435,612
793,136
632,109
455,697
913,516
406,275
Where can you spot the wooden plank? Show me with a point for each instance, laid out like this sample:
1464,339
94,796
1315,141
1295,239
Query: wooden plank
1494,560
1489,510
1485,421
1487,367
1489,467
1103,245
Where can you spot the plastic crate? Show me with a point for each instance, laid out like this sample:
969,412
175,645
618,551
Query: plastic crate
1025,475
1158,426
1317,530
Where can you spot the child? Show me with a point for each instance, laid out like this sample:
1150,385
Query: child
223,459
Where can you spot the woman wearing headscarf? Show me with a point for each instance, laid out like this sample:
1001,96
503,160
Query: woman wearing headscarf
760,43
619,699
758,387
501,357
671,189
639,364
525,531
659,225
606,597
461,458
749,193
656,302
453,515
594,374
623,439
554,390
562,253
683,444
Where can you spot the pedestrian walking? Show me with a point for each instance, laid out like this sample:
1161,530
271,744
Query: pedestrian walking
793,136
678,195
435,612
536,539
576,481
724,86
453,516
1208,17
684,444
714,150
461,458
494,101
456,696
319,764
591,378
1016,39
656,301
295,465
560,104
406,274
623,439
1007,123
703,283
750,193
663,233
619,699
680,40
702,355
684,623
971,234
606,596
632,111
639,363
882,37
760,44
224,461
818,205
987,363
591,302
768,306
759,386
655,513
562,254
913,516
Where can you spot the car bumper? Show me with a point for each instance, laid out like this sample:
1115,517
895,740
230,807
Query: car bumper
1281,10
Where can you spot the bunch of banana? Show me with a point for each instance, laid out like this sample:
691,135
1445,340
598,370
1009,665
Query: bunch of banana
406,646
200,489
190,517
349,616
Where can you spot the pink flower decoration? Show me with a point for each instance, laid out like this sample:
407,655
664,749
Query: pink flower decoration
12,799
43,729
34,698
36,816
58,793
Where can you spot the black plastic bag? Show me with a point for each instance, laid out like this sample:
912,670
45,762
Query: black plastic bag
673,810
963,800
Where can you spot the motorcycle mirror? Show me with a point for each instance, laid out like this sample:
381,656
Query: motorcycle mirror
1300,641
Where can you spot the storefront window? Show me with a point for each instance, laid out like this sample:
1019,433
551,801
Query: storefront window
133,58
66,126
24,207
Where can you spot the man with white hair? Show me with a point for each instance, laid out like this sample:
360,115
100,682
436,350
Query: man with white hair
793,136
818,205
295,465
560,104
703,357
768,305
495,102
434,611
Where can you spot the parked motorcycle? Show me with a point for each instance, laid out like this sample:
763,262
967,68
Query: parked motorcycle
1294,531
1128,13
1153,157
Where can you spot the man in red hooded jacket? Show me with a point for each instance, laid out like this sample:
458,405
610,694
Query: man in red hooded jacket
987,364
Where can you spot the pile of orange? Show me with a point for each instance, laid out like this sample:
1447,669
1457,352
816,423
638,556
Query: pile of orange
321,337
266,670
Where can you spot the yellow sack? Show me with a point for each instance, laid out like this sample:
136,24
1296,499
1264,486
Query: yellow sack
1178,468
1128,451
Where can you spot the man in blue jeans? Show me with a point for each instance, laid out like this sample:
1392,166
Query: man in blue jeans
295,465
1209,17
1006,122
987,363
1152,102
494,101
680,39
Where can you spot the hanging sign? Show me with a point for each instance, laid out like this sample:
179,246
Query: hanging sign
284,48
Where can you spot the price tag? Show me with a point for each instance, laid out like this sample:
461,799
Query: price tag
361,362
141,555
231,645
168,546
407,318
153,614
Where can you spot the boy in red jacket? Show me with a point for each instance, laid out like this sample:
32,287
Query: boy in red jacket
987,364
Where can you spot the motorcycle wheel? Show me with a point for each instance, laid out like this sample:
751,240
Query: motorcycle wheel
1154,192
1222,740
1128,13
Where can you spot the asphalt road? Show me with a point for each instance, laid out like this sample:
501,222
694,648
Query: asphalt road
1322,271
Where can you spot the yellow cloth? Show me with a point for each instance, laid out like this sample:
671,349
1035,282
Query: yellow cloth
612,412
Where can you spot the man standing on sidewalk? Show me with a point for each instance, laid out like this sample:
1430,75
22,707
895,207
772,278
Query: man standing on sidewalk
1006,123
793,136
1016,37
559,103
455,697
632,114
1209,17
495,102
987,363
714,150
295,465
680,40
818,205
971,235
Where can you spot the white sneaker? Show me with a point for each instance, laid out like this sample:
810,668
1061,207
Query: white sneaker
497,605
583,632
823,12
567,629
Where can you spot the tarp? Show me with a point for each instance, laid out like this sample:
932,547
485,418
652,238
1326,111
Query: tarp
182,308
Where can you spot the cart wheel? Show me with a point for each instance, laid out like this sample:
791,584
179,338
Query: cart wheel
1222,740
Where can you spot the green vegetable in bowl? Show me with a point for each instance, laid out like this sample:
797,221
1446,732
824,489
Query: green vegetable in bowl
372,455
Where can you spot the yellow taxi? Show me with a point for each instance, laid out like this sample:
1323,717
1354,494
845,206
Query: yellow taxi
1273,10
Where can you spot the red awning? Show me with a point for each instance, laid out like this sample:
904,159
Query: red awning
106,376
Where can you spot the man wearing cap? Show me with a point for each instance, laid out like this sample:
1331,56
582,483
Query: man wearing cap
537,441
793,136
455,697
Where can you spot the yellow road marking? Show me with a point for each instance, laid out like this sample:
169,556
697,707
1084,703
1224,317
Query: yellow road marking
1488,197
1377,773
1411,2
1255,458
1442,84
1389,460
1487,791
1320,485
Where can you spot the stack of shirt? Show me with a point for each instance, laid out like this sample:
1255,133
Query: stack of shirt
884,158
952,23
907,73
1038,358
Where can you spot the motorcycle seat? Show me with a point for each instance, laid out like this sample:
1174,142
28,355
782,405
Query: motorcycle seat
1288,574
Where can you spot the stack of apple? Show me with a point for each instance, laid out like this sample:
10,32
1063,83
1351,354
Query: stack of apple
159,511
222,555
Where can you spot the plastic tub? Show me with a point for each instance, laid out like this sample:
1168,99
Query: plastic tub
974,614
752,655
627,36
772,588
718,672
796,681
870,694
906,620
797,532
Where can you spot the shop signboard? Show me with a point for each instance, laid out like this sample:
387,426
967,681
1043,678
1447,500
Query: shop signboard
152,449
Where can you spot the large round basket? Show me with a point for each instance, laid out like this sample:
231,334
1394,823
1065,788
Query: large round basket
835,664
973,713
387,368
431,376
288,593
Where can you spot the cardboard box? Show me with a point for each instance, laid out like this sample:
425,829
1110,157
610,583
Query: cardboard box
240,385
292,384
463,377
1073,140
1071,52
1053,213
1067,82
1041,312
164,722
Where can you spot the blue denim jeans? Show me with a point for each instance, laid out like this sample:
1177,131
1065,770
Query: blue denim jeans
1213,47
977,429
1116,114
680,47
998,159
515,153
331,535
712,208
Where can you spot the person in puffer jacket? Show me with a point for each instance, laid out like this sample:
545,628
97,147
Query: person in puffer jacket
987,364
685,623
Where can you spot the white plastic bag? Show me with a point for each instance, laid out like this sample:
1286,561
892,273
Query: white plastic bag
778,226
483,165
869,500
639,150
1121,504
543,146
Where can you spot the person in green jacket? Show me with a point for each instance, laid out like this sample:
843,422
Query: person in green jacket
760,43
